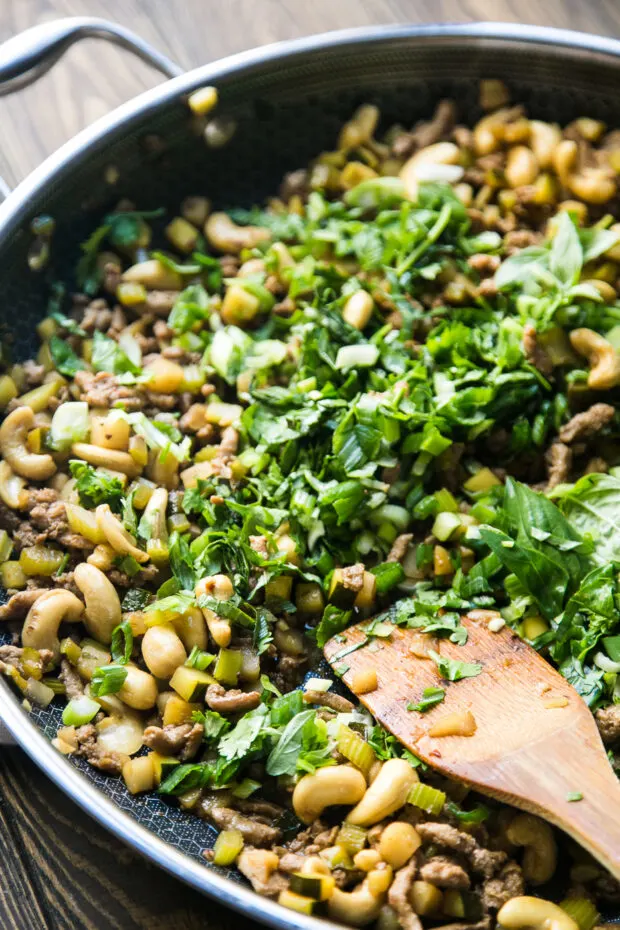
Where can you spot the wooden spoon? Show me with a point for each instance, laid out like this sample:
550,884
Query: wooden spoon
535,742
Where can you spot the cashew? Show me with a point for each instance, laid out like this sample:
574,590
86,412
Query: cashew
564,159
45,616
102,557
116,534
540,857
154,276
521,166
226,236
106,458
489,131
337,784
103,607
387,793
360,128
603,359
13,435
192,629
535,913
139,689
220,587
592,184
12,488
438,162
162,651
544,139
356,908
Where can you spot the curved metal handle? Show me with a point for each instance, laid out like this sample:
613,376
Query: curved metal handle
29,55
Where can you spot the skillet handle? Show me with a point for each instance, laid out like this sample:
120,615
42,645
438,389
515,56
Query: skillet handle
30,54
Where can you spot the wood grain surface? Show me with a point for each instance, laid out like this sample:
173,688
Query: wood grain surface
60,871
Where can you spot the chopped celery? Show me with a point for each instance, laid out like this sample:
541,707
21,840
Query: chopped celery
70,423
79,711
227,847
445,524
228,666
351,837
245,788
355,749
40,560
426,798
582,910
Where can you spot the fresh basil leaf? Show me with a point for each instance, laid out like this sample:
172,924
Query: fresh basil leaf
65,359
430,698
452,669
333,621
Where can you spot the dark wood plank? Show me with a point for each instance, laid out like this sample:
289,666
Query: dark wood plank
60,871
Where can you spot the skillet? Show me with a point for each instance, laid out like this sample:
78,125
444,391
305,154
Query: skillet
287,101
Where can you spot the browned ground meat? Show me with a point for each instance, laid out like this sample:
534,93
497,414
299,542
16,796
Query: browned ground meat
398,896
313,839
399,547
329,699
534,353
232,701
97,315
587,423
74,686
596,466
33,373
97,756
353,577
481,860
559,459
253,831
259,808
183,741
103,390
263,880
160,302
508,883
20,603
9,520
48,520
259,544
426,133
146,575
445,873
12,655
608,723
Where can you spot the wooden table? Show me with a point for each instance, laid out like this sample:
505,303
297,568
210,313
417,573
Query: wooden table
60,870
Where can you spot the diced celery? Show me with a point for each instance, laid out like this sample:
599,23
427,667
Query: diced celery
6,546
227,847
351,837
70,423
483,480
13,575
427,798
357,356
355,749
228,666
79,711
582,910
445,525
40,560
445,501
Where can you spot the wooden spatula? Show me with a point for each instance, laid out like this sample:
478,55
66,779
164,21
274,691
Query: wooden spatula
536,744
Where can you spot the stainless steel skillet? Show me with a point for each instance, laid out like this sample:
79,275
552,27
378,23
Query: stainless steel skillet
287,101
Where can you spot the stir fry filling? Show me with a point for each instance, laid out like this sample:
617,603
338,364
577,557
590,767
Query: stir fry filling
394,384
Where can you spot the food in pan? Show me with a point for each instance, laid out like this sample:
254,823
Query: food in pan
390,393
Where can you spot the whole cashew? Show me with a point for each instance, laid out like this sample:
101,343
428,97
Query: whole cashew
162,651
387,793
435,162
192,629
153,275
540,857
103,607
223,234
221,588
106,458
12,488
45,616
13,434
535,913
334,784
116,534
355,908
544,139
139,690
603,359
594,184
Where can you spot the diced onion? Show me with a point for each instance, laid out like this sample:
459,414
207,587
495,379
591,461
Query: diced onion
605,663
356,356
121,734
318,684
